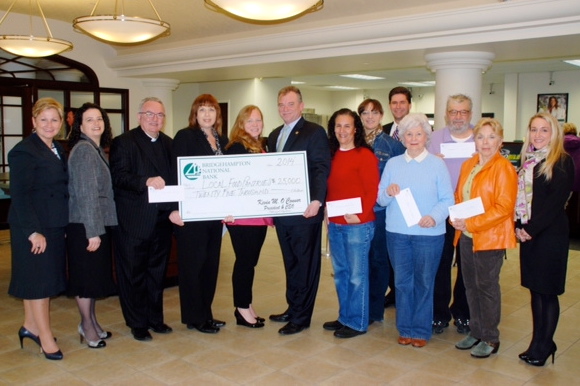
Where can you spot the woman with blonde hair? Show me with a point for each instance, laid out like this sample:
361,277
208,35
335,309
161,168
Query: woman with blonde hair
38,216
247,235
544,185
484,238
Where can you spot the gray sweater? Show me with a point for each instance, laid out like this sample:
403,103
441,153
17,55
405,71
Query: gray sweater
90,188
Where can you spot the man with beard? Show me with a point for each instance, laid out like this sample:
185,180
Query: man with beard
458,130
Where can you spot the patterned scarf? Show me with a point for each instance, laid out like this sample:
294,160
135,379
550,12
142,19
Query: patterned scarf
526,184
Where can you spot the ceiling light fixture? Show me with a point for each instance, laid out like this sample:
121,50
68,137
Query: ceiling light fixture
574,62
265,11
30,45
362,77
341,87
121,29
427,83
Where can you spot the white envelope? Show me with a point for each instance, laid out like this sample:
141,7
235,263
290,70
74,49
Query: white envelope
342,207
458,149
466,209
173,193
408,207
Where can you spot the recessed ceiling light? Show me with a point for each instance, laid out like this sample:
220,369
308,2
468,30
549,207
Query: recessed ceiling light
297,82
362,77
574,62
428,83
341,87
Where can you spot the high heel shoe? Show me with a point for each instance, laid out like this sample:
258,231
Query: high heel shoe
240,321
540,362
24,333
105,334
90,343
53,356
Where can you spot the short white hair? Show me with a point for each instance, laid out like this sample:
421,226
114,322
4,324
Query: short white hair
413,120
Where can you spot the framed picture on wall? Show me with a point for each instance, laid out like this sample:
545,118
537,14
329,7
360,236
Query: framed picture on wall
555,104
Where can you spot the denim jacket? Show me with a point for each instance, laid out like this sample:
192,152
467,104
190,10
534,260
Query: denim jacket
386,147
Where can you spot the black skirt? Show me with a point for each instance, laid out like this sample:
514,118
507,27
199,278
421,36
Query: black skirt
37,276
90,274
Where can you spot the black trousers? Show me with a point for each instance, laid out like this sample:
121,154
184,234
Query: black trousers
442,312
301,246
198,253
247,242
141,267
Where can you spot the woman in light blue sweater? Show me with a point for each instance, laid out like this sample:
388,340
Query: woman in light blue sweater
415,250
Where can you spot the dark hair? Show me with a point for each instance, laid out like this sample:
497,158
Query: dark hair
75,131
400,90
206,100
359,131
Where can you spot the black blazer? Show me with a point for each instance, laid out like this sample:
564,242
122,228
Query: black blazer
387,128
38,186
312,138
132,163
190,142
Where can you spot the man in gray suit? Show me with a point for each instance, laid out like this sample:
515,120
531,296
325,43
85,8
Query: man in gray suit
139,159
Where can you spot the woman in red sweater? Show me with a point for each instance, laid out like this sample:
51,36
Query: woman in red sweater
353,175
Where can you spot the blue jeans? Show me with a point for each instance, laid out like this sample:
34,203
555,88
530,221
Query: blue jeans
349,246
379,269
415,260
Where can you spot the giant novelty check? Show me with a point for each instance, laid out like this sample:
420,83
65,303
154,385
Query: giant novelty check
244,186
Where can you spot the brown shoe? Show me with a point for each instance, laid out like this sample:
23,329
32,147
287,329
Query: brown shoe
419,342
404,341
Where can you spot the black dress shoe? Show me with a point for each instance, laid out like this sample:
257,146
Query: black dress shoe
282,318
141,334
291,328
332,326
161,328
347,332
217,323
240,321
206,327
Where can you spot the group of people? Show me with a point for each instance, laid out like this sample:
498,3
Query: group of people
421,245
79,211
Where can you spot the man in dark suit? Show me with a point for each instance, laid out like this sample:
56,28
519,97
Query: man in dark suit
141,158
300,236
400,105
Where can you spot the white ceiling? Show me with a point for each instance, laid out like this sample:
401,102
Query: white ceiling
193,24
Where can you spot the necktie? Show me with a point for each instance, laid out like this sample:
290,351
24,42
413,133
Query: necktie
396,132
282,138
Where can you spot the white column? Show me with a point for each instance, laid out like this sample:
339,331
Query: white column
458,72
163,89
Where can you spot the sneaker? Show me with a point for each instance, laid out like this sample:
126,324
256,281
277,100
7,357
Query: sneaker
439,327
462,326
484,349
467,343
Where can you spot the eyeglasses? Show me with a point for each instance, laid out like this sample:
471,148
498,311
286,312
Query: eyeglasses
463,113
367,113
150,115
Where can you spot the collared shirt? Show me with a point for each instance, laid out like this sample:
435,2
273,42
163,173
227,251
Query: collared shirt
419,158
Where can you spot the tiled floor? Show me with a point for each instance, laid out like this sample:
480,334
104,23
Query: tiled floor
239,355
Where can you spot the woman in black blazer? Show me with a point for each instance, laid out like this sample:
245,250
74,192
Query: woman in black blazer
544,185
199,242
38,216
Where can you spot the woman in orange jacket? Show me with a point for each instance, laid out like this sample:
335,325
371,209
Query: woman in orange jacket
484,238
